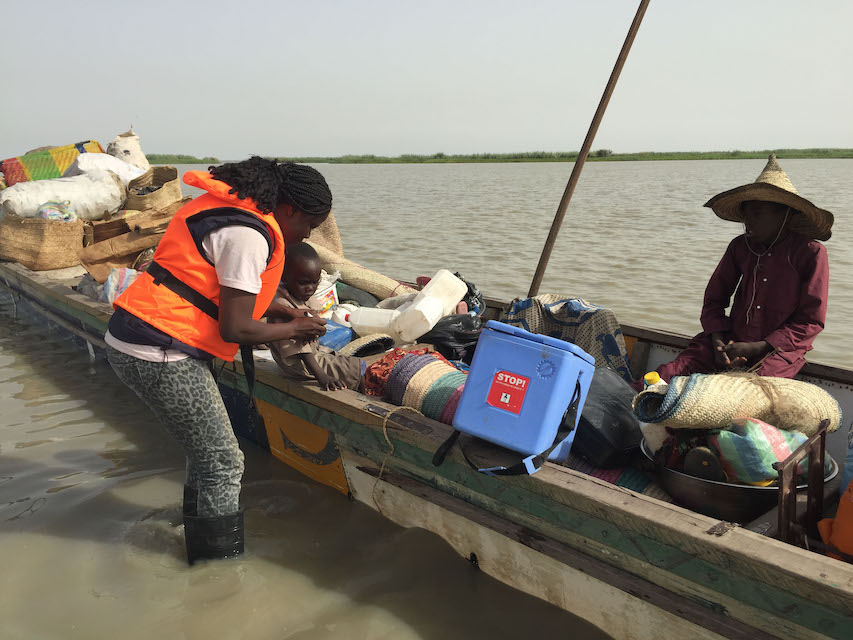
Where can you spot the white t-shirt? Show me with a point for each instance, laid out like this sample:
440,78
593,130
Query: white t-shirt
239,255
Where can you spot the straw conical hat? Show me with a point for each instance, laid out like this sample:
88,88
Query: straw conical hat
773,185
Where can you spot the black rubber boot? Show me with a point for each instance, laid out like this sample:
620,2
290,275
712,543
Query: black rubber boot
214,537
190,501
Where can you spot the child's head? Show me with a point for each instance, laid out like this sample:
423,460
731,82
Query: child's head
302,268
764,220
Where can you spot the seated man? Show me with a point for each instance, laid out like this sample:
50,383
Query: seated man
779,275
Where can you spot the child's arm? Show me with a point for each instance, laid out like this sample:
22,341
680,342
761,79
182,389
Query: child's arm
329,383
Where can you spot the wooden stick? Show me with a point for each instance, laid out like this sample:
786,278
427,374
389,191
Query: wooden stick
584,152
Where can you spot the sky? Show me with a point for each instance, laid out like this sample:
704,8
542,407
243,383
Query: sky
327,78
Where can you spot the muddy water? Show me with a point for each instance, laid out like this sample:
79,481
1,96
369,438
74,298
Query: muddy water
90,547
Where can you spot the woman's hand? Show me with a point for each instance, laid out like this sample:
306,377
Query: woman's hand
283,313
305,328
236,323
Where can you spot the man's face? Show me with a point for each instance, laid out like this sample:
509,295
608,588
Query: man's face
763,220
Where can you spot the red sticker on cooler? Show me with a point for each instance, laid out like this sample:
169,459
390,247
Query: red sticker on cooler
507,391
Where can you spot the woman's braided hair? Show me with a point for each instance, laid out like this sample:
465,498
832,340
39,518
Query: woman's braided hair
271,184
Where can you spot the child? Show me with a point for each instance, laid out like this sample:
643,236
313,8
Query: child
779,275
310,361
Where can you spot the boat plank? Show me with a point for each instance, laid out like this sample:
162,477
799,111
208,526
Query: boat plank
527,562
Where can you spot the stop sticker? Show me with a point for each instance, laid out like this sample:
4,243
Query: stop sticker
507,391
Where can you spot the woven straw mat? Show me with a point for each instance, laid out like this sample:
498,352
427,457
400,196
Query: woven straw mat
713,401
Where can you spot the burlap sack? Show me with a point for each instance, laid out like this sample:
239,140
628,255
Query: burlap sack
39,244
166,178
115,253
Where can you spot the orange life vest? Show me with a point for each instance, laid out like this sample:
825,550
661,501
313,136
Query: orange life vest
179,294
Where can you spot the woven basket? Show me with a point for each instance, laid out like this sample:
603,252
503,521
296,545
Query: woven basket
169,192
39,244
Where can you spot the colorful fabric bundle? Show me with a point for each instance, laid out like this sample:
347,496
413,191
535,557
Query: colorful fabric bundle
117,282
42,165
377,373
57,210
426,382
749,448
594,329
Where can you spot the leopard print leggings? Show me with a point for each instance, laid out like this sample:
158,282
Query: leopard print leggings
186,400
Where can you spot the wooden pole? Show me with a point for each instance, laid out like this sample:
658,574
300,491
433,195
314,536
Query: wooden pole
584,152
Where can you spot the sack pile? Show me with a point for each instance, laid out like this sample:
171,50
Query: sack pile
76,204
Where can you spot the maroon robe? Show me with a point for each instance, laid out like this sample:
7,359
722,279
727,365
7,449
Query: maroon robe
782,302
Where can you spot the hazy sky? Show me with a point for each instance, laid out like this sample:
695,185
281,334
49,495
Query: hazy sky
335,77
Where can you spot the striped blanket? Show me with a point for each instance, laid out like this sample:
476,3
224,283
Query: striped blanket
594,329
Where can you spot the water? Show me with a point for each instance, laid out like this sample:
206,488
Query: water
636,237
89,485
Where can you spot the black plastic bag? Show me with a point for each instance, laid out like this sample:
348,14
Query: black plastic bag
474,299
455,336
608,432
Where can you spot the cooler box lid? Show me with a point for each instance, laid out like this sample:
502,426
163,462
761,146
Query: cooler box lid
556,343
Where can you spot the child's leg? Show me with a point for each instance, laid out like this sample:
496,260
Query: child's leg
347,369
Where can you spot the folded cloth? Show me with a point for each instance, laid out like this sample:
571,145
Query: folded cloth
749,448
713,401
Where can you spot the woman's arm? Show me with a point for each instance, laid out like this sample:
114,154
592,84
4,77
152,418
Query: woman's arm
237,325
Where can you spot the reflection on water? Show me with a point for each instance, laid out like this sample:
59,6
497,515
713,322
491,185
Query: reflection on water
636,237
89,490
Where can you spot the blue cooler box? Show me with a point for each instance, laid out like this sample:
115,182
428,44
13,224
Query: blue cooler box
519,386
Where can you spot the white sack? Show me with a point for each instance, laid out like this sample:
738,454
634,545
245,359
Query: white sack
126,147
87,162
92,195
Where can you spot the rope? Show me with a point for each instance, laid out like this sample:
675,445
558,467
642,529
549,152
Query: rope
390,451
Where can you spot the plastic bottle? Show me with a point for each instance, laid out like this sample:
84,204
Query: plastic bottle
447,288
652,380
418,318
366,321
340,313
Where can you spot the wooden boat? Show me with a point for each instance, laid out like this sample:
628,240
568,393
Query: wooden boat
634,566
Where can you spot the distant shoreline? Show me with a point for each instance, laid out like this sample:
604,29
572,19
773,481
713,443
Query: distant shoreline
600,155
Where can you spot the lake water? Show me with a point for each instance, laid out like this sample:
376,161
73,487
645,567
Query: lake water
89,491
636,237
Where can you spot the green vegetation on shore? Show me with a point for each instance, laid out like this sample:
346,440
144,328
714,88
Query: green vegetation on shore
179,158
571,156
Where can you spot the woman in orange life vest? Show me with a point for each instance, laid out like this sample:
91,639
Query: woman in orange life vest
213,277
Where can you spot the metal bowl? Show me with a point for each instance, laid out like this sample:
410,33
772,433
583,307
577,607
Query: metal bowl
731,502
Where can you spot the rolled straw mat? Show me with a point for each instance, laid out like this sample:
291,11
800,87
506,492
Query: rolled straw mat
713,401
449,410
363,278
439,393
367,345
402,372
420,383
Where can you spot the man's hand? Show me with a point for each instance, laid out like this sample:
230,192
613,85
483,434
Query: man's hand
745,350
282,313
721,358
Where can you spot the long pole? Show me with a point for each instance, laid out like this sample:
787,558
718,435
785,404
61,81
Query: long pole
584,152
